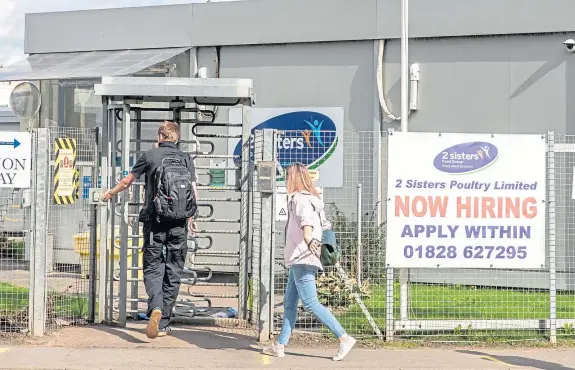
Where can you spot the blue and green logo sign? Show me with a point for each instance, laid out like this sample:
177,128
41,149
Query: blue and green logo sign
309,138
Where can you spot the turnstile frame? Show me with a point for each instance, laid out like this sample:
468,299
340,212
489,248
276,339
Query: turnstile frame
126,93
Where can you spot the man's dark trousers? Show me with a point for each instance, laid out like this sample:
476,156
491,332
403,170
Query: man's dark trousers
162,272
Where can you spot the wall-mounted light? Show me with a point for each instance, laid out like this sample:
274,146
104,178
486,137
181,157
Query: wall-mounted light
414,86
569,45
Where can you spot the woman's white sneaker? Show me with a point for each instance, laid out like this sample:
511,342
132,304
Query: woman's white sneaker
344,348
275,350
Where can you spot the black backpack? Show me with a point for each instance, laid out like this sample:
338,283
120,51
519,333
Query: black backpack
174,197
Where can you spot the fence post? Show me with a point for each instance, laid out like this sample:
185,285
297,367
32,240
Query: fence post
92,296
359,258
389,322
266,290
272,257
551,236
244,211
103,213
39,237
124,219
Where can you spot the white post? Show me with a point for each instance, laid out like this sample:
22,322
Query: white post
404,65
403,273
124,200
551,237
359,257
103,211
40,191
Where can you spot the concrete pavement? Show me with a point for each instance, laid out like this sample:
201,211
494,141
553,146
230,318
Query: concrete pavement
202,348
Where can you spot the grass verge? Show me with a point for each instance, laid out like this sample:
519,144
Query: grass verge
66,306
463,303
12,298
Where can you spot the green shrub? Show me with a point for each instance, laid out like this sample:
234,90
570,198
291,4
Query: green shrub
372,242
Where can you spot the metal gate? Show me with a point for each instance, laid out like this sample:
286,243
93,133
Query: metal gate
217,274
70,227
46,235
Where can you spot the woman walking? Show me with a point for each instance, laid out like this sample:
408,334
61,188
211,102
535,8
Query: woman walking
305,225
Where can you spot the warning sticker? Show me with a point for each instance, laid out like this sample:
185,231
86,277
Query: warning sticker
66,175
281,202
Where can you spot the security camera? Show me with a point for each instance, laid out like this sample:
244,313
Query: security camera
569,45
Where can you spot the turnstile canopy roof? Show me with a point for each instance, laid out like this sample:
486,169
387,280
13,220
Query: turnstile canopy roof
165,89
90,64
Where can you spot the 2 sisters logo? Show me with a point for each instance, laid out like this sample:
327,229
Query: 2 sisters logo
466,157
307,137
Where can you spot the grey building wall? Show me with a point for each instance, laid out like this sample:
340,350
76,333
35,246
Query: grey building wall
255,22
504,84
108,29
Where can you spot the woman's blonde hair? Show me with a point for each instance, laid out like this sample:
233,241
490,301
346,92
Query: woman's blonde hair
298,179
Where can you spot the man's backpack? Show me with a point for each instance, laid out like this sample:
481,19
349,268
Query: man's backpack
174,197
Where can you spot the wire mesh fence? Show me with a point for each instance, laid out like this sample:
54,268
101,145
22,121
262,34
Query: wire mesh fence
460,305
441,304
14,262
561,230
69,225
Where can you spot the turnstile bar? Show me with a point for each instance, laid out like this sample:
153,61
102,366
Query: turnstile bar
223,220
216,168
216,284
219,231
218,188
217,156
220,200
215,263
216,253
198,295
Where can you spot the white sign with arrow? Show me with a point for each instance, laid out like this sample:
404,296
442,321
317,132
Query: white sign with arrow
15,159
281,202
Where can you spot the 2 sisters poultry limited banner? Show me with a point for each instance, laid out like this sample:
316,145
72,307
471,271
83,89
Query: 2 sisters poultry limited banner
466,201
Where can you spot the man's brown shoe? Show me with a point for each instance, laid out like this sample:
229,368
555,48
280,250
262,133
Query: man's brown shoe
152,328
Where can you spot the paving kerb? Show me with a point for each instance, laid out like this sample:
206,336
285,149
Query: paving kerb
103,347
226,358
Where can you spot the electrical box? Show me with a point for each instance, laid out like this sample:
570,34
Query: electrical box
266,176
26,198
94,195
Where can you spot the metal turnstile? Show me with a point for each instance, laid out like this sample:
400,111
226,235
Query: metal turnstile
133,109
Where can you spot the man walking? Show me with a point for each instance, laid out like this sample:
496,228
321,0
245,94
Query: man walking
169,207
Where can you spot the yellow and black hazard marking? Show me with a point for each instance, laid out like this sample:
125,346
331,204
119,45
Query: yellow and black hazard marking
66,175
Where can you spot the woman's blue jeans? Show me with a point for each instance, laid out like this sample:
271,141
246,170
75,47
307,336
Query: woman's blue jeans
301,284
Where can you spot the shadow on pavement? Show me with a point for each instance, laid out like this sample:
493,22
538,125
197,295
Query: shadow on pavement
304,355
120,333
201,338
518,361
212,339
208,339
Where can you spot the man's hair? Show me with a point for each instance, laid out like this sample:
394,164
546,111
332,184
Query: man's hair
170,131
